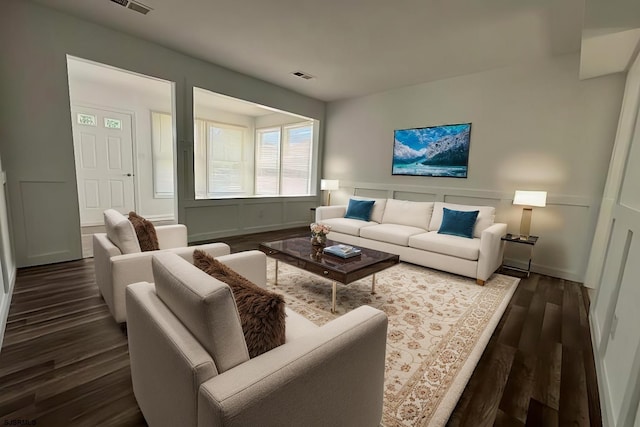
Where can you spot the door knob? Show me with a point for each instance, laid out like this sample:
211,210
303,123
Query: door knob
128,174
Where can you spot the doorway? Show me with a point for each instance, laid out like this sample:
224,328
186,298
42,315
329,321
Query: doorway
118,162
103,147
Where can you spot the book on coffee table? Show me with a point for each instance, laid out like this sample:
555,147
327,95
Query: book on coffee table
343,251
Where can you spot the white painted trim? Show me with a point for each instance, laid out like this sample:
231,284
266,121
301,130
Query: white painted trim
605,402
6,304
546,270
627,123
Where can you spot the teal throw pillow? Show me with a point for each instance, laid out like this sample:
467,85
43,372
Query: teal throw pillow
458,223
359,209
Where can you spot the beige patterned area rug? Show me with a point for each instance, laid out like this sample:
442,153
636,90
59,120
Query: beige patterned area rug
439,325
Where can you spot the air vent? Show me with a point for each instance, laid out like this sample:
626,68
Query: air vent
302,75
135,6
139,7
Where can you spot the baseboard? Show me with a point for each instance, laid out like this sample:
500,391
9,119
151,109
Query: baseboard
217,235
546,270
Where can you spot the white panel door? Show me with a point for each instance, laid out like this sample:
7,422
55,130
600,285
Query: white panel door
103,146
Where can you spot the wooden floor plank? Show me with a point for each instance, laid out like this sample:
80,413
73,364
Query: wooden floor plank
494,375
64,361
519,388
540,415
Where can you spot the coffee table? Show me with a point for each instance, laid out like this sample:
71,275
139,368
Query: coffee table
299,252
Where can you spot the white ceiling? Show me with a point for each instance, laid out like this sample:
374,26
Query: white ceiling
352,47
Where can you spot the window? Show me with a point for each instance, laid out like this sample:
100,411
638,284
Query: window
162,154
268,161
219,160
283,160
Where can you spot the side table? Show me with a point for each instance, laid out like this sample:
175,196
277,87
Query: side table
516,238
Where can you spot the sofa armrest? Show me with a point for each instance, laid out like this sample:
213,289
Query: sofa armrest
250,264
132,268
327,212
332,376
172,236
491,250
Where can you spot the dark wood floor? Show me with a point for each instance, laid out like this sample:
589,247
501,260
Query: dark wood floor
65,362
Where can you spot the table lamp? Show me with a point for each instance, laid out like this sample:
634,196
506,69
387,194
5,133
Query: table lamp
329,184
528,199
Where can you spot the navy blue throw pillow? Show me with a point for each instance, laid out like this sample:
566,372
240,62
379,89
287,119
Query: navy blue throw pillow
458,223
359,209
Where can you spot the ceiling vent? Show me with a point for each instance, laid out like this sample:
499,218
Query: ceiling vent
135,6
139,7
302,75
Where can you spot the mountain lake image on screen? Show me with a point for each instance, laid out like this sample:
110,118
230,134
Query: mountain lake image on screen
432,151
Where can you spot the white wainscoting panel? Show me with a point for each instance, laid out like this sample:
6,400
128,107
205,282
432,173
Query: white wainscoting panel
565,225
215,219
46,230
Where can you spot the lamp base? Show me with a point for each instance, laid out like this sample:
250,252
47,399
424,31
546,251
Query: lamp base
525,223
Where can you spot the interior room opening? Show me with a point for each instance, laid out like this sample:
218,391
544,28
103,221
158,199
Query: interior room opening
243,149
124,144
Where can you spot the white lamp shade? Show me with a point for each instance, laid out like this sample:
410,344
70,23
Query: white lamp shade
329,184
530,198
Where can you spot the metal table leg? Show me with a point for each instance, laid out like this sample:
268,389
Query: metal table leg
333,297
373,284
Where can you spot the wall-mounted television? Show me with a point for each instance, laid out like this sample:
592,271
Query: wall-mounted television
432,151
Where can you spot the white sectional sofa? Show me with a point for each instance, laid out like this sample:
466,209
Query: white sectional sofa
410,229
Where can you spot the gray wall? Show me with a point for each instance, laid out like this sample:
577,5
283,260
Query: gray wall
534,127
36,140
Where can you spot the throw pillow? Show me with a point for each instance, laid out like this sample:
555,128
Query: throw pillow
261,311
359,209
458,223
145,231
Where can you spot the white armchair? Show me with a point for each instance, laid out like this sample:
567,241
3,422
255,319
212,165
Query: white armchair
118,261
190,365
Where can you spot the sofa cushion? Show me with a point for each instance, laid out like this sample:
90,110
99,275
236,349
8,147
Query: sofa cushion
390,233
347,225
445,244
261,311
486,215
121,232
145,232
458,223
359,209
378,207
405,212
204,305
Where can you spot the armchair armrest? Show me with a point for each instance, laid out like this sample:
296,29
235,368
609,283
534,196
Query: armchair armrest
250,264
172,236
491,250
131,268
103,250
157,341
327,212
332,376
